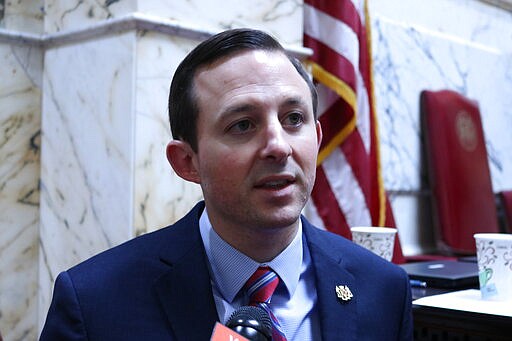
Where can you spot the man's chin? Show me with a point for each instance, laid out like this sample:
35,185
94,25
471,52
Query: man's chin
281,220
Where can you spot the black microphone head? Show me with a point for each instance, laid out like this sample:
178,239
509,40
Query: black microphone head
252,323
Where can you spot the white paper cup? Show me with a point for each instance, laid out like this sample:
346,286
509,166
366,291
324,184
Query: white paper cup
494,254
379,240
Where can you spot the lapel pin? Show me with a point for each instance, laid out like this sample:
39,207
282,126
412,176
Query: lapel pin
343,292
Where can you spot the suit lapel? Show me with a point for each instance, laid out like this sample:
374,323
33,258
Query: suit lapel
337,317
184,290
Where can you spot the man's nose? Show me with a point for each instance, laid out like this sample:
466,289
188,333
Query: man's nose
275,144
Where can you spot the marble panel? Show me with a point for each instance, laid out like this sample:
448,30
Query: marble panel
23,16
281,18
64,15
87,153
20,105
409,59
481,23
413,218
160,197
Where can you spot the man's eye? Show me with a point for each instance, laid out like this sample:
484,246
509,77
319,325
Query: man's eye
241,126
294,119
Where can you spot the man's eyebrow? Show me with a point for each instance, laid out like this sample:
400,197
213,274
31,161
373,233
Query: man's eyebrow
238,108
248,107
295,102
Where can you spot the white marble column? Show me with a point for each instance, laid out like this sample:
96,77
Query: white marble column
100,101
20,142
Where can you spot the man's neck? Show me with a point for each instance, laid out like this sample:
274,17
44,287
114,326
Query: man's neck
260,244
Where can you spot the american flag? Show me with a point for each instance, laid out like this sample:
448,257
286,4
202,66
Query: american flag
349,189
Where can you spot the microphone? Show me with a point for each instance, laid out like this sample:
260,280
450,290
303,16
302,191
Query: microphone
252,323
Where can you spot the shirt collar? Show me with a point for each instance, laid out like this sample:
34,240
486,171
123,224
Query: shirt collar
230,268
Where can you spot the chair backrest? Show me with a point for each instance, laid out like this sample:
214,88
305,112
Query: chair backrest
506,202
459,176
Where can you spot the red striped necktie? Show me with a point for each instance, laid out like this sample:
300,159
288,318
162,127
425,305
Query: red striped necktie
260,287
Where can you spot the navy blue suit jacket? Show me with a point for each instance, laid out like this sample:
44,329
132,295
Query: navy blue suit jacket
157,287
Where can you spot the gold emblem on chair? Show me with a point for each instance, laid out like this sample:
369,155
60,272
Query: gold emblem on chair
343,292
466,131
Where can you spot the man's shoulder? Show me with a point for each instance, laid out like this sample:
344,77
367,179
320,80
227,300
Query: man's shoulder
340,249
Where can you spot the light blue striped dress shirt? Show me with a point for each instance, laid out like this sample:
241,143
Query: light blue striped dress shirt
294,300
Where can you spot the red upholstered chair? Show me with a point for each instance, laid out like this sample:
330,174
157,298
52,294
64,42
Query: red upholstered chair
459,176
506,202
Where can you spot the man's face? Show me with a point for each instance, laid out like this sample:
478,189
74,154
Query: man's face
257,141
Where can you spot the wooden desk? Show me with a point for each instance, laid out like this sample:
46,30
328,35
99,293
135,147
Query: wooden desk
438,324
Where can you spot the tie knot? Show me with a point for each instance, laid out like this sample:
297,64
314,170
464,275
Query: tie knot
261,285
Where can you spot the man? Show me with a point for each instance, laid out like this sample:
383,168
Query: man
243,117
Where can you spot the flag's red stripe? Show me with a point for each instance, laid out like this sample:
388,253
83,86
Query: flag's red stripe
342,10
364,63
364,165
364,168
359,161
334,119
345,11
327,206
374,198
331,61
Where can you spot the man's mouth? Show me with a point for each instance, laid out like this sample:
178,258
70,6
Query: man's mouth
275,184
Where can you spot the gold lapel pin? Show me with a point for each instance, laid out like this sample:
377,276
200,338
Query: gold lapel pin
343,292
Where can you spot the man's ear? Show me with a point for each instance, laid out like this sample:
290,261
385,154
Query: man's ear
319,134
183,160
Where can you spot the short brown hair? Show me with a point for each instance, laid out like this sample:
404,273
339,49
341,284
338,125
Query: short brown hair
183,107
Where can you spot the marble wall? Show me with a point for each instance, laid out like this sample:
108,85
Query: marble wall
87,152
23,16
93,77
160,197
99,172
20,143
